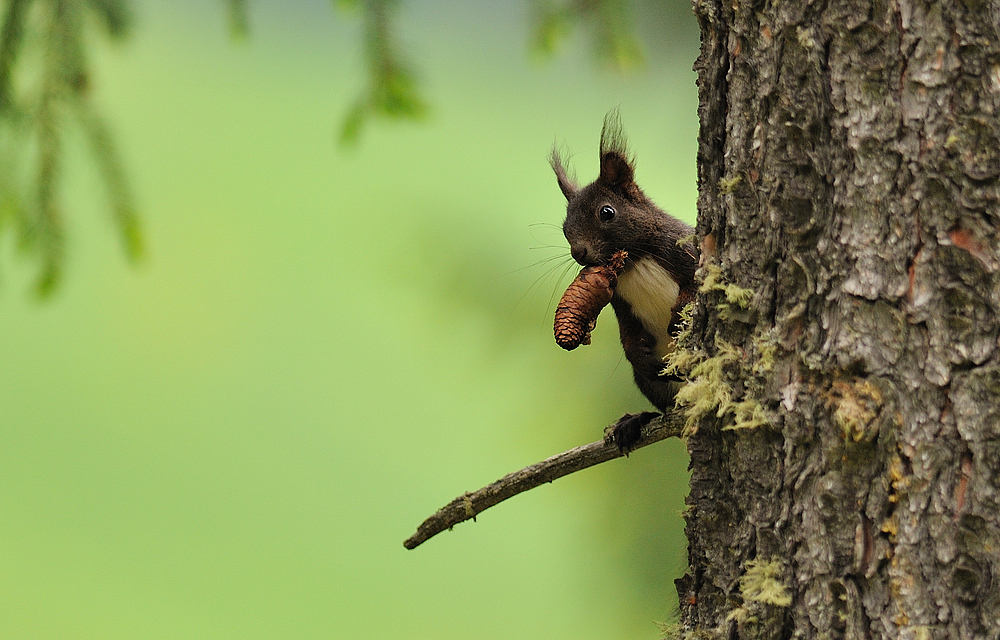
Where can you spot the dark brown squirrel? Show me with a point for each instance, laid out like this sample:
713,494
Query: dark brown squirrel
613,214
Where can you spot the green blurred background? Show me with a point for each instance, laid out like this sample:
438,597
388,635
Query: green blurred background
323,345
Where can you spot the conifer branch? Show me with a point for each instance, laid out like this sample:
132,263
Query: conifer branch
46,233
392,92
11,36
239,19
468,505
120,196
614,36
114,15
34,125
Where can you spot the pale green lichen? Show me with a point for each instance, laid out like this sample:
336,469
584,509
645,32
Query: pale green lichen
684,317
748,414
738,295
735,295
676,631
740,614
686,240
725,311
728,185
681,359
670,630
706,391
470,510
858,404
921,632
767,349
712,277
805,38
762,583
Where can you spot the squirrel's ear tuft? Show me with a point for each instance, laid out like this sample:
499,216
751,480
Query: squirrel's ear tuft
613,138
617,170
566,184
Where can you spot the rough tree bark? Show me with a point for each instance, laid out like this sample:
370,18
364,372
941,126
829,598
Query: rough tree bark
848,175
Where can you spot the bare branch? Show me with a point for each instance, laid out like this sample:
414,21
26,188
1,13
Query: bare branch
468,505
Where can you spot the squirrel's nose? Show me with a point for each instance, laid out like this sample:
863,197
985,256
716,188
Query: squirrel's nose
580,252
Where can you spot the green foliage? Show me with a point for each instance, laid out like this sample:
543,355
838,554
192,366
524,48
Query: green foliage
116,16
239,21
33,124
392,92
44,90
614,40
122,207
10,44
552,26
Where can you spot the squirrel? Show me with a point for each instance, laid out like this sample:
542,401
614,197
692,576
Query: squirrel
612,214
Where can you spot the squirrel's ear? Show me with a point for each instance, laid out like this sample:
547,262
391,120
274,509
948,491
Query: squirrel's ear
566,184
616,172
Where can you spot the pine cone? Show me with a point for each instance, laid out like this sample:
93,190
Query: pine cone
591,291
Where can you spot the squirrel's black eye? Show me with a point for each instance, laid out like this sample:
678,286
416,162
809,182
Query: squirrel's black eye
607,213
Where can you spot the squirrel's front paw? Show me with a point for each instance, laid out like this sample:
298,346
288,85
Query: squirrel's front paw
626,432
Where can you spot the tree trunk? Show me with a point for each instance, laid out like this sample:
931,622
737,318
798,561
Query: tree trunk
844,417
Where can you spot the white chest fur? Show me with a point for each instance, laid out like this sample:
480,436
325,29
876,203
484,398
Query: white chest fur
651,292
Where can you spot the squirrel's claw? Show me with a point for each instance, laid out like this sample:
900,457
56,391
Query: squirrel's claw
626,432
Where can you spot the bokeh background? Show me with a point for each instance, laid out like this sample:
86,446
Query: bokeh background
324,344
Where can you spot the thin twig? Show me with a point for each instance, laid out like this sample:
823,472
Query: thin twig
468,505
